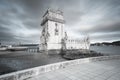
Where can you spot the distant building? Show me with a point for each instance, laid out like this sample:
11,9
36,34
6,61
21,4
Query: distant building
53,35
29,47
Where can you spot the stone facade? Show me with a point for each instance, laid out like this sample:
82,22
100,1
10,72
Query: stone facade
53,35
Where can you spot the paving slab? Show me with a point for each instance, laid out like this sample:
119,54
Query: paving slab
99,70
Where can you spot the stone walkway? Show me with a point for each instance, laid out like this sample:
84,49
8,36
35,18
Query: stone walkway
100,70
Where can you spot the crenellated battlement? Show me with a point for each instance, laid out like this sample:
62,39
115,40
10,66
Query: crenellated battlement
53,15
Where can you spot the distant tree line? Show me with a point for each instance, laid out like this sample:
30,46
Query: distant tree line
115,43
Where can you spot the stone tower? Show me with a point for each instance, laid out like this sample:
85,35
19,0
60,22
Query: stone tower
52,30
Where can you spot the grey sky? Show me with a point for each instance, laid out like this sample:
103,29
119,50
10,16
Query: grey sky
20,19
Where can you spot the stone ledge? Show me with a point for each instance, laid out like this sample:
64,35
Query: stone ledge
24,74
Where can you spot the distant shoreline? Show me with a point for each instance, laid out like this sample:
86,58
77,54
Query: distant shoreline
115,43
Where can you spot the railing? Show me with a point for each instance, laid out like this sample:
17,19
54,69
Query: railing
25,74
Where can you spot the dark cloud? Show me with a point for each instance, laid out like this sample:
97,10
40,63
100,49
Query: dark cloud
110,27
20,19
6,35
105,27
105,37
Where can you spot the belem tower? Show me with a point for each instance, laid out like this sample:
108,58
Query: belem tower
53,35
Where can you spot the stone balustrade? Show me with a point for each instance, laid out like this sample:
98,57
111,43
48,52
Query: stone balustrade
25,74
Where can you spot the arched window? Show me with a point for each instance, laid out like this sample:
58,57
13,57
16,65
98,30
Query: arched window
56,29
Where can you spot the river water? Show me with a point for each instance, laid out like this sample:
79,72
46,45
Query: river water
111,50
14,61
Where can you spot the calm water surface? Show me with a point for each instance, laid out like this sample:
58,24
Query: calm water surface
111,50
14,61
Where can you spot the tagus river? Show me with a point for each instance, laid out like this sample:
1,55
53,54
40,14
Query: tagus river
111,50
14,61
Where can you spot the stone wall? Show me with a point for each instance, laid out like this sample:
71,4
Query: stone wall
25,74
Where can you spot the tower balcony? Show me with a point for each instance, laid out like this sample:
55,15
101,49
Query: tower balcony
52,19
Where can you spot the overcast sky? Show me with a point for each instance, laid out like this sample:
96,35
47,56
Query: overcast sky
20,19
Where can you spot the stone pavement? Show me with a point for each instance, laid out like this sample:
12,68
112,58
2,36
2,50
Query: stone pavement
100,70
